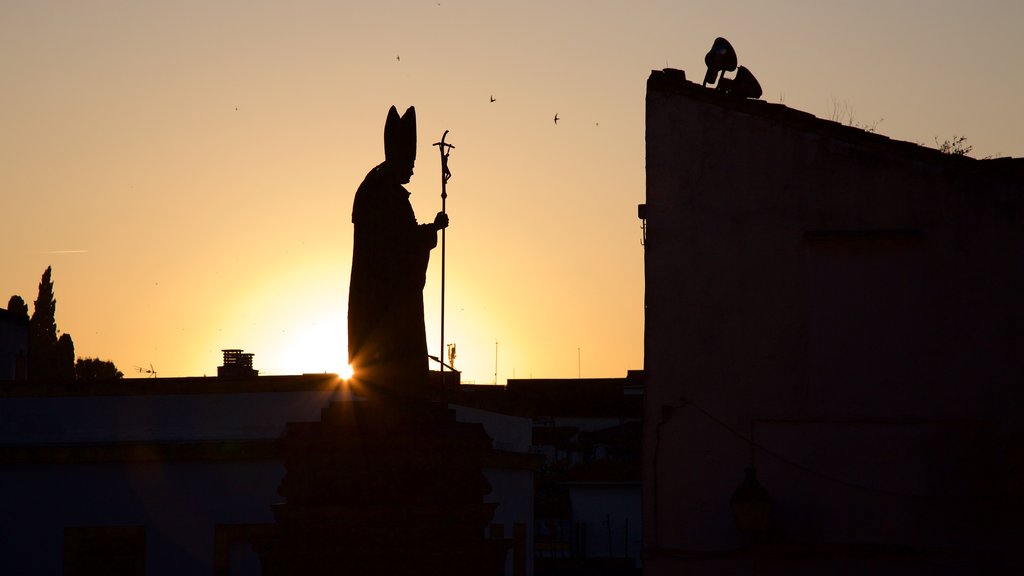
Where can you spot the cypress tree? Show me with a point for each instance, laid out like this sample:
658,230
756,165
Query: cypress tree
42,333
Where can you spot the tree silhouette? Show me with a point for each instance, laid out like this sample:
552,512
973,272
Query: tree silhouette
64,358
42,331
52,357
17,307
48,358
96,369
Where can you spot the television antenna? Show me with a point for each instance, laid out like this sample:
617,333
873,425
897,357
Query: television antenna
451,356
151,371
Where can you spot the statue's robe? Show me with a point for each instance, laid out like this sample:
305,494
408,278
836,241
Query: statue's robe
386,337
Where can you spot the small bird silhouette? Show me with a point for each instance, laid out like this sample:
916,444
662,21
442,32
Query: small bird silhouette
556,117
492,98
399,58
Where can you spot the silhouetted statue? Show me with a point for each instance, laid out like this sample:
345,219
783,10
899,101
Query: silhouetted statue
386,337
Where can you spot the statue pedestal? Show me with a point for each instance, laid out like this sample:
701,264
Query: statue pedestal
387,487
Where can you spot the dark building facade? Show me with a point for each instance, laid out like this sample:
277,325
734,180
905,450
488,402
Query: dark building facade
587,487
144,476
13,346
842,315
188,475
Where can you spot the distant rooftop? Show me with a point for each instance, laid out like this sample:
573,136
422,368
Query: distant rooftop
172,386
569,397
237,364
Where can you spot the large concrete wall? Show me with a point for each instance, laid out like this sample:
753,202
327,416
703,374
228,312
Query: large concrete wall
842,311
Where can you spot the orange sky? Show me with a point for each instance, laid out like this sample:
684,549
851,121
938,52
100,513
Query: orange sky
188,168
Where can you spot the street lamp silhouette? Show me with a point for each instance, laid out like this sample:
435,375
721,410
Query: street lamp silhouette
721,59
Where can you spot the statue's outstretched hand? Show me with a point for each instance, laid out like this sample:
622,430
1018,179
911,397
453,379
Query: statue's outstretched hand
441,221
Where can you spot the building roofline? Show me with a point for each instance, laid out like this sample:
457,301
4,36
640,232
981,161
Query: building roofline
673,81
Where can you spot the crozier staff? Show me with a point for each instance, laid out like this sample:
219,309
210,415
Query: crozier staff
386,336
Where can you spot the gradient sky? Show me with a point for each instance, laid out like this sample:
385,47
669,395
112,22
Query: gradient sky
188,167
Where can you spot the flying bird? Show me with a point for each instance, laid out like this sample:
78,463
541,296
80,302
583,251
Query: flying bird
399,58
492,98
556,117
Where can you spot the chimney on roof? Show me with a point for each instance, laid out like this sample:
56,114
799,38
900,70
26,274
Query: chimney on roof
237,364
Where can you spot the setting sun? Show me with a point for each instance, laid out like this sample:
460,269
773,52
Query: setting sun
346,372
311,347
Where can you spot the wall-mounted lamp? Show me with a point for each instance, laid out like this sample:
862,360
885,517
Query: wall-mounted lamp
751,504
641,213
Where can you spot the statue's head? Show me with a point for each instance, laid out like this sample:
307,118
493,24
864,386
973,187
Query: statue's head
400,142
